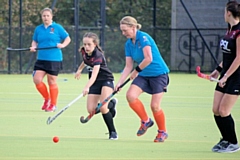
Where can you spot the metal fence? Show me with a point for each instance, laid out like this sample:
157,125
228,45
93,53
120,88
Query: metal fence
182,49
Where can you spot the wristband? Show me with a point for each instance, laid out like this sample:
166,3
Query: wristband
219,69
138,69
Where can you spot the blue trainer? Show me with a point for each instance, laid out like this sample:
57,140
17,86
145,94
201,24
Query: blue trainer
144,126
161,136
113,136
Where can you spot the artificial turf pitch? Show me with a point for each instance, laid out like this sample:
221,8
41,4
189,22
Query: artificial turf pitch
24,134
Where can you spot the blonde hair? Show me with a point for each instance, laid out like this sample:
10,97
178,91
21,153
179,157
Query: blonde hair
95,39
46,9
130,21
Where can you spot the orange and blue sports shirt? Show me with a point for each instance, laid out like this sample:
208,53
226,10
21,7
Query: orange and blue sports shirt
49,37
135,51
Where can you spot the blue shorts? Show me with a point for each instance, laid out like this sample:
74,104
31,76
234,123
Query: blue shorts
152,85
96,88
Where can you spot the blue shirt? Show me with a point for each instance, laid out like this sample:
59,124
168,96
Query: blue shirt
49,37
135,51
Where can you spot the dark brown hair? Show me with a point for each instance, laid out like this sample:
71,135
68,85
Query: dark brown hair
234,8
95,40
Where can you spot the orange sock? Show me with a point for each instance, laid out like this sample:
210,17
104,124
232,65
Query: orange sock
53,88
138,108
42,89
160,120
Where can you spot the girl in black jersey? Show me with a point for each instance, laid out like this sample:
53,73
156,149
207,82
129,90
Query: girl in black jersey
228,88
100,84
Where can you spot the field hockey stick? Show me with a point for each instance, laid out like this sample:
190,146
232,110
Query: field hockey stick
85,120
205,76
28,49
50,120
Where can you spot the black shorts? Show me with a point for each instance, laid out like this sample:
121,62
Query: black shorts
50,67
232,86
152,85
96,88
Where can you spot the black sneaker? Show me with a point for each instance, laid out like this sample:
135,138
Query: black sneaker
113,136
112,106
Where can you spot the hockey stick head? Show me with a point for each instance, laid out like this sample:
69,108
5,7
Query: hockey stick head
83,120
201,75
204,76
49,121
198,69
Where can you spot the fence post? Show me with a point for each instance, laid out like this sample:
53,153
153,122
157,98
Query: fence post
190,51
76,35
9,34
103,22
20,36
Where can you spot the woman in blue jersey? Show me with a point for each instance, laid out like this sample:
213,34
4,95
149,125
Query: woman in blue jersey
228,89
49,62
100,84
150,76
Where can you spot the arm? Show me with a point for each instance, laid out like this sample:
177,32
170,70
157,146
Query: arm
93,78
220,64
234,66
33,46
147,57
216,72
126,71
79,71
66,41
145,62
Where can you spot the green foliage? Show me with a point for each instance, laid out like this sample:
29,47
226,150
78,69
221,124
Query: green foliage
89,20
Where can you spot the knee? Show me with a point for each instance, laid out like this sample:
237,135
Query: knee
130,97
223,112
215,111
155,107
104,109
36,81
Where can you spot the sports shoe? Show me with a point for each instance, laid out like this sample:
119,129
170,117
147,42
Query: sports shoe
229,148
219,145
161,136
112,106
144,126
51,108
46,104
113,136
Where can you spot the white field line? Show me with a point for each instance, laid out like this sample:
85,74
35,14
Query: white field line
117,95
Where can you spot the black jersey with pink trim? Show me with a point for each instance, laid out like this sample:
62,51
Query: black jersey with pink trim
229,48
97,58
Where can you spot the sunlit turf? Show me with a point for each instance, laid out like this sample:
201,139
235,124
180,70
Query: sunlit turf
24,134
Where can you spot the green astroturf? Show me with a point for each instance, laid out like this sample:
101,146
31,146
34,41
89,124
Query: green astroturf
24,134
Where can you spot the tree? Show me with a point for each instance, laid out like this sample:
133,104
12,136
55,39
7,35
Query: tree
89,20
